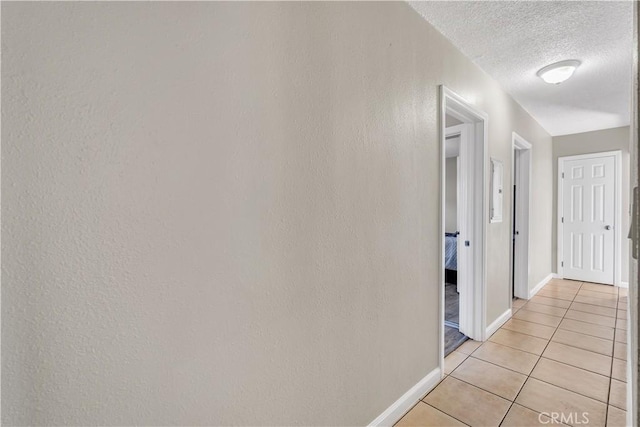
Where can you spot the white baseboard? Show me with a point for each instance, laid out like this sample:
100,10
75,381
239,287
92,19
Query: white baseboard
619,284
539,286
497,323
394,412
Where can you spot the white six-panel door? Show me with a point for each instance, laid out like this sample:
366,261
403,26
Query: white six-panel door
588,219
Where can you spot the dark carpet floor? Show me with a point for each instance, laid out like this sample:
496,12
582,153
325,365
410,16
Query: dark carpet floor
451,304
452,337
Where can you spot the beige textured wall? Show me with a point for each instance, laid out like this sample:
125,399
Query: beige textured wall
542,213
595,142
451,195
226,213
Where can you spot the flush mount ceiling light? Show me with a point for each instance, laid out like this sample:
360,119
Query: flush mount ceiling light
558,72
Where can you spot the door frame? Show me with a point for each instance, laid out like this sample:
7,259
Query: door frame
475,184
617,209
522,155
462,131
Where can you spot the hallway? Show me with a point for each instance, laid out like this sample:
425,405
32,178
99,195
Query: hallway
562,354
210,201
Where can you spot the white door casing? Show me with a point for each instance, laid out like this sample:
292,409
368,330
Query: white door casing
522,179
464,133
465,225
588,212
473,311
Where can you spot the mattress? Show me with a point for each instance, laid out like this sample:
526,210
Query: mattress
451,251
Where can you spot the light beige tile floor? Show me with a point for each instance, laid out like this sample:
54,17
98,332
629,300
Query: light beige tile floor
563,352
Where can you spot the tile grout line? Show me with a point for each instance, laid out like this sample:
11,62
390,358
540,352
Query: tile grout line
472,385
568,330
594,305
534,354
606,413
479,388
440,410
558,327
515,348
607,404
495,364
539,356
615,329
606,409
562,388
431,406
568,345
536,364
528,376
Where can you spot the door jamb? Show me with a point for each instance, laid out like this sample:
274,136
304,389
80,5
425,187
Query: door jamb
523,180
462,132
452,103
617,215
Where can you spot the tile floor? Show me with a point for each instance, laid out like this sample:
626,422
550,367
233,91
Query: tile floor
563,351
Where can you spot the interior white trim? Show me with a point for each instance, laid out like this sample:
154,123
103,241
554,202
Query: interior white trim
630,386
520,142
541,284
393,413
495,325
462,132
617,236
459,201
453,104
622,284
522,156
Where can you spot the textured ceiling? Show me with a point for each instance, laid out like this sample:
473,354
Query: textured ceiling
512,40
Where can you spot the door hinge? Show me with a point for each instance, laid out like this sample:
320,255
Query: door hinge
563,220
563,174
562,264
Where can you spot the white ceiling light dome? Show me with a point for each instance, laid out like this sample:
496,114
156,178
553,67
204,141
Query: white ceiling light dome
558,72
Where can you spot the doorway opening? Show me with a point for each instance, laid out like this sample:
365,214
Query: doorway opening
463,221
455,131
521,173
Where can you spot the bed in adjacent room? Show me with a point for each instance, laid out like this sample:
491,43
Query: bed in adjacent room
451,258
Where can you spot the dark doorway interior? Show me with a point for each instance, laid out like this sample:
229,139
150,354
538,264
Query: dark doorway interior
453,338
